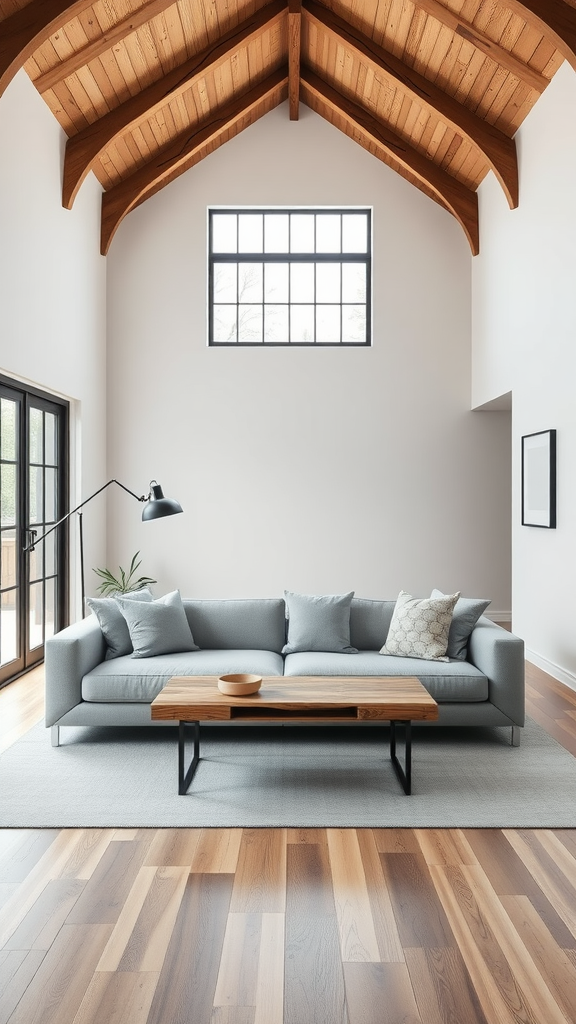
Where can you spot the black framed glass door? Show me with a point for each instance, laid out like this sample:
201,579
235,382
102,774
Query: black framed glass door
33,487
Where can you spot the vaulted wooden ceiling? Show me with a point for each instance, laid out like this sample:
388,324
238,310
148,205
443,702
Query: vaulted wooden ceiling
145,89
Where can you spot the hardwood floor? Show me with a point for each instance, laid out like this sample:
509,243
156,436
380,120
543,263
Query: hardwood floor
289,926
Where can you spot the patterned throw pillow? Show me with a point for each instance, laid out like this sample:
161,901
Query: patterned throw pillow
420,627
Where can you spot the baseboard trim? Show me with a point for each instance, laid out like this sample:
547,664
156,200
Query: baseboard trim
499,616
554,670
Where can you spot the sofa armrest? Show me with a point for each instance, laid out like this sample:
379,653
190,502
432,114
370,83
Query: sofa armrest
68,656
499,654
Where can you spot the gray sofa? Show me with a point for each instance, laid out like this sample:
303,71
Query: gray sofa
83,688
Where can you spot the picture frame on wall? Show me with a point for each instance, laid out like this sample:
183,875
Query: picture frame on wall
539,479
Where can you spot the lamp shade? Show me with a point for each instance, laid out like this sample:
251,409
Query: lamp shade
158,506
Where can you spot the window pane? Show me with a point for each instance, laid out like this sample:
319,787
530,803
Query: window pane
50,608
276,232
328,324
225,324
8,495
354,324
50,439
8,428
276,323
276,282
36,615
225,282
302,324
302,282
250,227
250,282
250,323
354,232
8,560
36,439
36,563
302,232
36,501
8,646
50,554
353,282
328,232
50,506
327,282
224,226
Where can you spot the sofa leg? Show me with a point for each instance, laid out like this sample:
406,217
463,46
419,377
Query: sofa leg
55,735
516,733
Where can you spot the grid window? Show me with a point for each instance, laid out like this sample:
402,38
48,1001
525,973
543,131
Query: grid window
290,277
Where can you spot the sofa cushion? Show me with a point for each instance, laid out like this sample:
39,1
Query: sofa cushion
139,681
369,623
318,623
158,627
420,627
112,622
247,624
445,681
467,611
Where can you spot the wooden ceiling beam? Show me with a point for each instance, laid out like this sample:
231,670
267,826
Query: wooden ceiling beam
84,149
176,157
26,30
456,197
497,148
294,35
555,19
483,43
106,41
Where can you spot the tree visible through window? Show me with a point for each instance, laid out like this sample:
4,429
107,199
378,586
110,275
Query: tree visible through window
289,277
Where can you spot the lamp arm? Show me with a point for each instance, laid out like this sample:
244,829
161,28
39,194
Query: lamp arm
36,540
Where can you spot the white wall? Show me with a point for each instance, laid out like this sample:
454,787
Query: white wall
52,288
318,470
524,330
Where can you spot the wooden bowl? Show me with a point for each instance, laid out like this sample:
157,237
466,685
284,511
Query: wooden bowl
239,684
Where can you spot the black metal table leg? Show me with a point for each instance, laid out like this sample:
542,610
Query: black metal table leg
404,774
185,777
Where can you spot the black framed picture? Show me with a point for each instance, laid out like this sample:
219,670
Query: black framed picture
539,479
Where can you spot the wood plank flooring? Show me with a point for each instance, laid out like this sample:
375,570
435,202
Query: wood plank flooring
289,926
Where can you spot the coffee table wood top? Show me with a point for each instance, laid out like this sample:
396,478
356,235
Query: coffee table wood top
298,698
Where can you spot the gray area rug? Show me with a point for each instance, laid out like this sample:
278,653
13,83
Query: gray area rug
287,776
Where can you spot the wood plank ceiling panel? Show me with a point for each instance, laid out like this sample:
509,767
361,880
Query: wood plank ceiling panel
494,58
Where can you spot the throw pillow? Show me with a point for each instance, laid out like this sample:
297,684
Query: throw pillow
318,623
160,627
466,614
112,622
420,627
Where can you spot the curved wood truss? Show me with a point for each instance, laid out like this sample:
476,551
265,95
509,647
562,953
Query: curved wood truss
145,92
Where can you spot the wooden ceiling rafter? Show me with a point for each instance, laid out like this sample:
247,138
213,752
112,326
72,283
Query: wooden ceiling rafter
96,47
496,147
28,28
294,44
178,156
461,201
465,30
84,149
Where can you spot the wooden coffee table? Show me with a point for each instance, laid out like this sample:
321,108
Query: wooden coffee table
400,701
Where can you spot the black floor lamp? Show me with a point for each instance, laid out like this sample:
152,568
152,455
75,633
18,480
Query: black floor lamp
156,507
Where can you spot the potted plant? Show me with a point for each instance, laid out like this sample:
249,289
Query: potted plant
125,582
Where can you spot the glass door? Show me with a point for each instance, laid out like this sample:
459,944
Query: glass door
33,483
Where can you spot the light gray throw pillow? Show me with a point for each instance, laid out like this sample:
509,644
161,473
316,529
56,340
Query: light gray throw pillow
112,622
467,611
160,627
420,627
318,623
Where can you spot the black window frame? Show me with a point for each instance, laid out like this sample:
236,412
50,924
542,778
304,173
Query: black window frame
282,257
